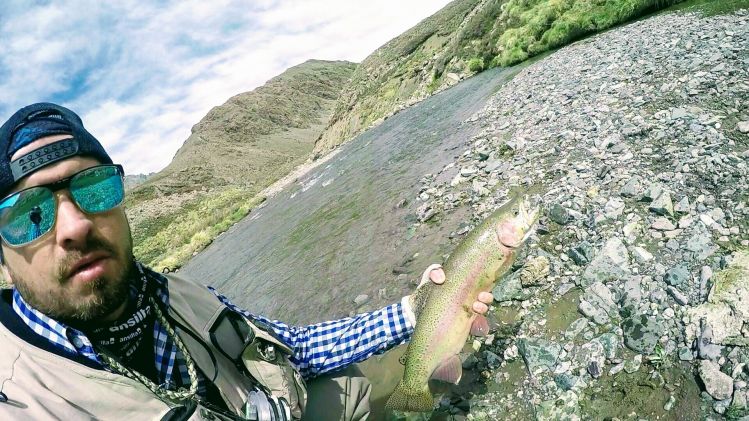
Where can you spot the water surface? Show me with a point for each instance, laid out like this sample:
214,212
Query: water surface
337,232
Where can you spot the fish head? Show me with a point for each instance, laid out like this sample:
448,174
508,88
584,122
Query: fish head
517,221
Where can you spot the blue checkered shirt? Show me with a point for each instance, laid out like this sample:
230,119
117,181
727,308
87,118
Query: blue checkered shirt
317,348
328,346
73,341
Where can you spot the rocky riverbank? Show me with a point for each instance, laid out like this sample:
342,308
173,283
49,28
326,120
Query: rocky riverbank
633,296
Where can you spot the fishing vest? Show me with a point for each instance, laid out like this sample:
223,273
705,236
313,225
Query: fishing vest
235,355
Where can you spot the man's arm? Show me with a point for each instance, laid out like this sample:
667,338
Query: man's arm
328,346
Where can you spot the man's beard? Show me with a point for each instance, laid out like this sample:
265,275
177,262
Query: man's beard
98,299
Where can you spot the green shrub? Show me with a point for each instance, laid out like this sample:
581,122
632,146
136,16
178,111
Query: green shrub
535,26
435,83
476,64
173,243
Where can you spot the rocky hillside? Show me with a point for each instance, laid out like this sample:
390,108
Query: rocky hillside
256,136
134,180
465,37
637,142
234,152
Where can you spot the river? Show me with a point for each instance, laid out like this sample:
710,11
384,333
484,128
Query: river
338,232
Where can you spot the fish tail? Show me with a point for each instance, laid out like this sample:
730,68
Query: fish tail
408,399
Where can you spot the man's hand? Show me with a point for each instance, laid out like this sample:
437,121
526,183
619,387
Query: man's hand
435,274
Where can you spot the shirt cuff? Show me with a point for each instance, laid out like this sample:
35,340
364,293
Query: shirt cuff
408,312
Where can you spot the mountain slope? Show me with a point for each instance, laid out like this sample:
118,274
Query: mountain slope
257,136
465,37
234,152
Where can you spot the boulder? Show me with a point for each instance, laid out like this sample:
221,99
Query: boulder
565,407
677,276
662,205
538,354
641,332
633,188
581,254
718,384
612,262
727,306
701,244
534,271
597,303
662,224
559,214
509,289
613,208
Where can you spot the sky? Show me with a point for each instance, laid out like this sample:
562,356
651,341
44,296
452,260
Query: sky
142,73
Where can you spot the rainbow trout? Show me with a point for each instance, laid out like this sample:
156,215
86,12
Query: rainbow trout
444,313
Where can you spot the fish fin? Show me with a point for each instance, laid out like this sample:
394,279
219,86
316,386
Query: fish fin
480,326
407,399
451,370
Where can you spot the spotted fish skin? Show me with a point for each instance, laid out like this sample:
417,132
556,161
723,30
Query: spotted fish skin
444,313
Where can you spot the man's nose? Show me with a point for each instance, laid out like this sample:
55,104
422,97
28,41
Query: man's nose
73,226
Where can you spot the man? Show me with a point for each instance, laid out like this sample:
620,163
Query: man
87,332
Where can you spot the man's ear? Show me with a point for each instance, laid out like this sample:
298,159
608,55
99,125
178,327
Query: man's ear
6,274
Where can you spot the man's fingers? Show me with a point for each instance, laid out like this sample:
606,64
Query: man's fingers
437,275
480,307
486,297
427,275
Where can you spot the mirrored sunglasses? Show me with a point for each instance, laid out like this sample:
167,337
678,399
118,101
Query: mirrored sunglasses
28,214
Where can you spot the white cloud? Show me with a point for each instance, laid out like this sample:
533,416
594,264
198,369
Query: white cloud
141,74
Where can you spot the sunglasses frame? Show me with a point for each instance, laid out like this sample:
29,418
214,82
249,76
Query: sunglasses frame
60,184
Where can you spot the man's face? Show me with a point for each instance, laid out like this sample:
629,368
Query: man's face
78,271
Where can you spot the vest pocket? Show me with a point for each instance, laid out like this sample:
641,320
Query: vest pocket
265,357
271,367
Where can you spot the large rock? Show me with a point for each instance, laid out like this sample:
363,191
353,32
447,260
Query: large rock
538,354
564,408
727,306
641,332
641,255
706,349
612,262
581,254
677,276
559,214
682,206
662,224
568,381
678,296
591,353
534,271
662,205
610,343
633,187
598,304
509,289
632,292
654,191
701,244
613,208
718,384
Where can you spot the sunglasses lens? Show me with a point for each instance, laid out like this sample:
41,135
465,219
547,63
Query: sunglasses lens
27,215
98,189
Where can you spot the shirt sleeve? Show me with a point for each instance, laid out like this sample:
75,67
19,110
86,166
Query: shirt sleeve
331,345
